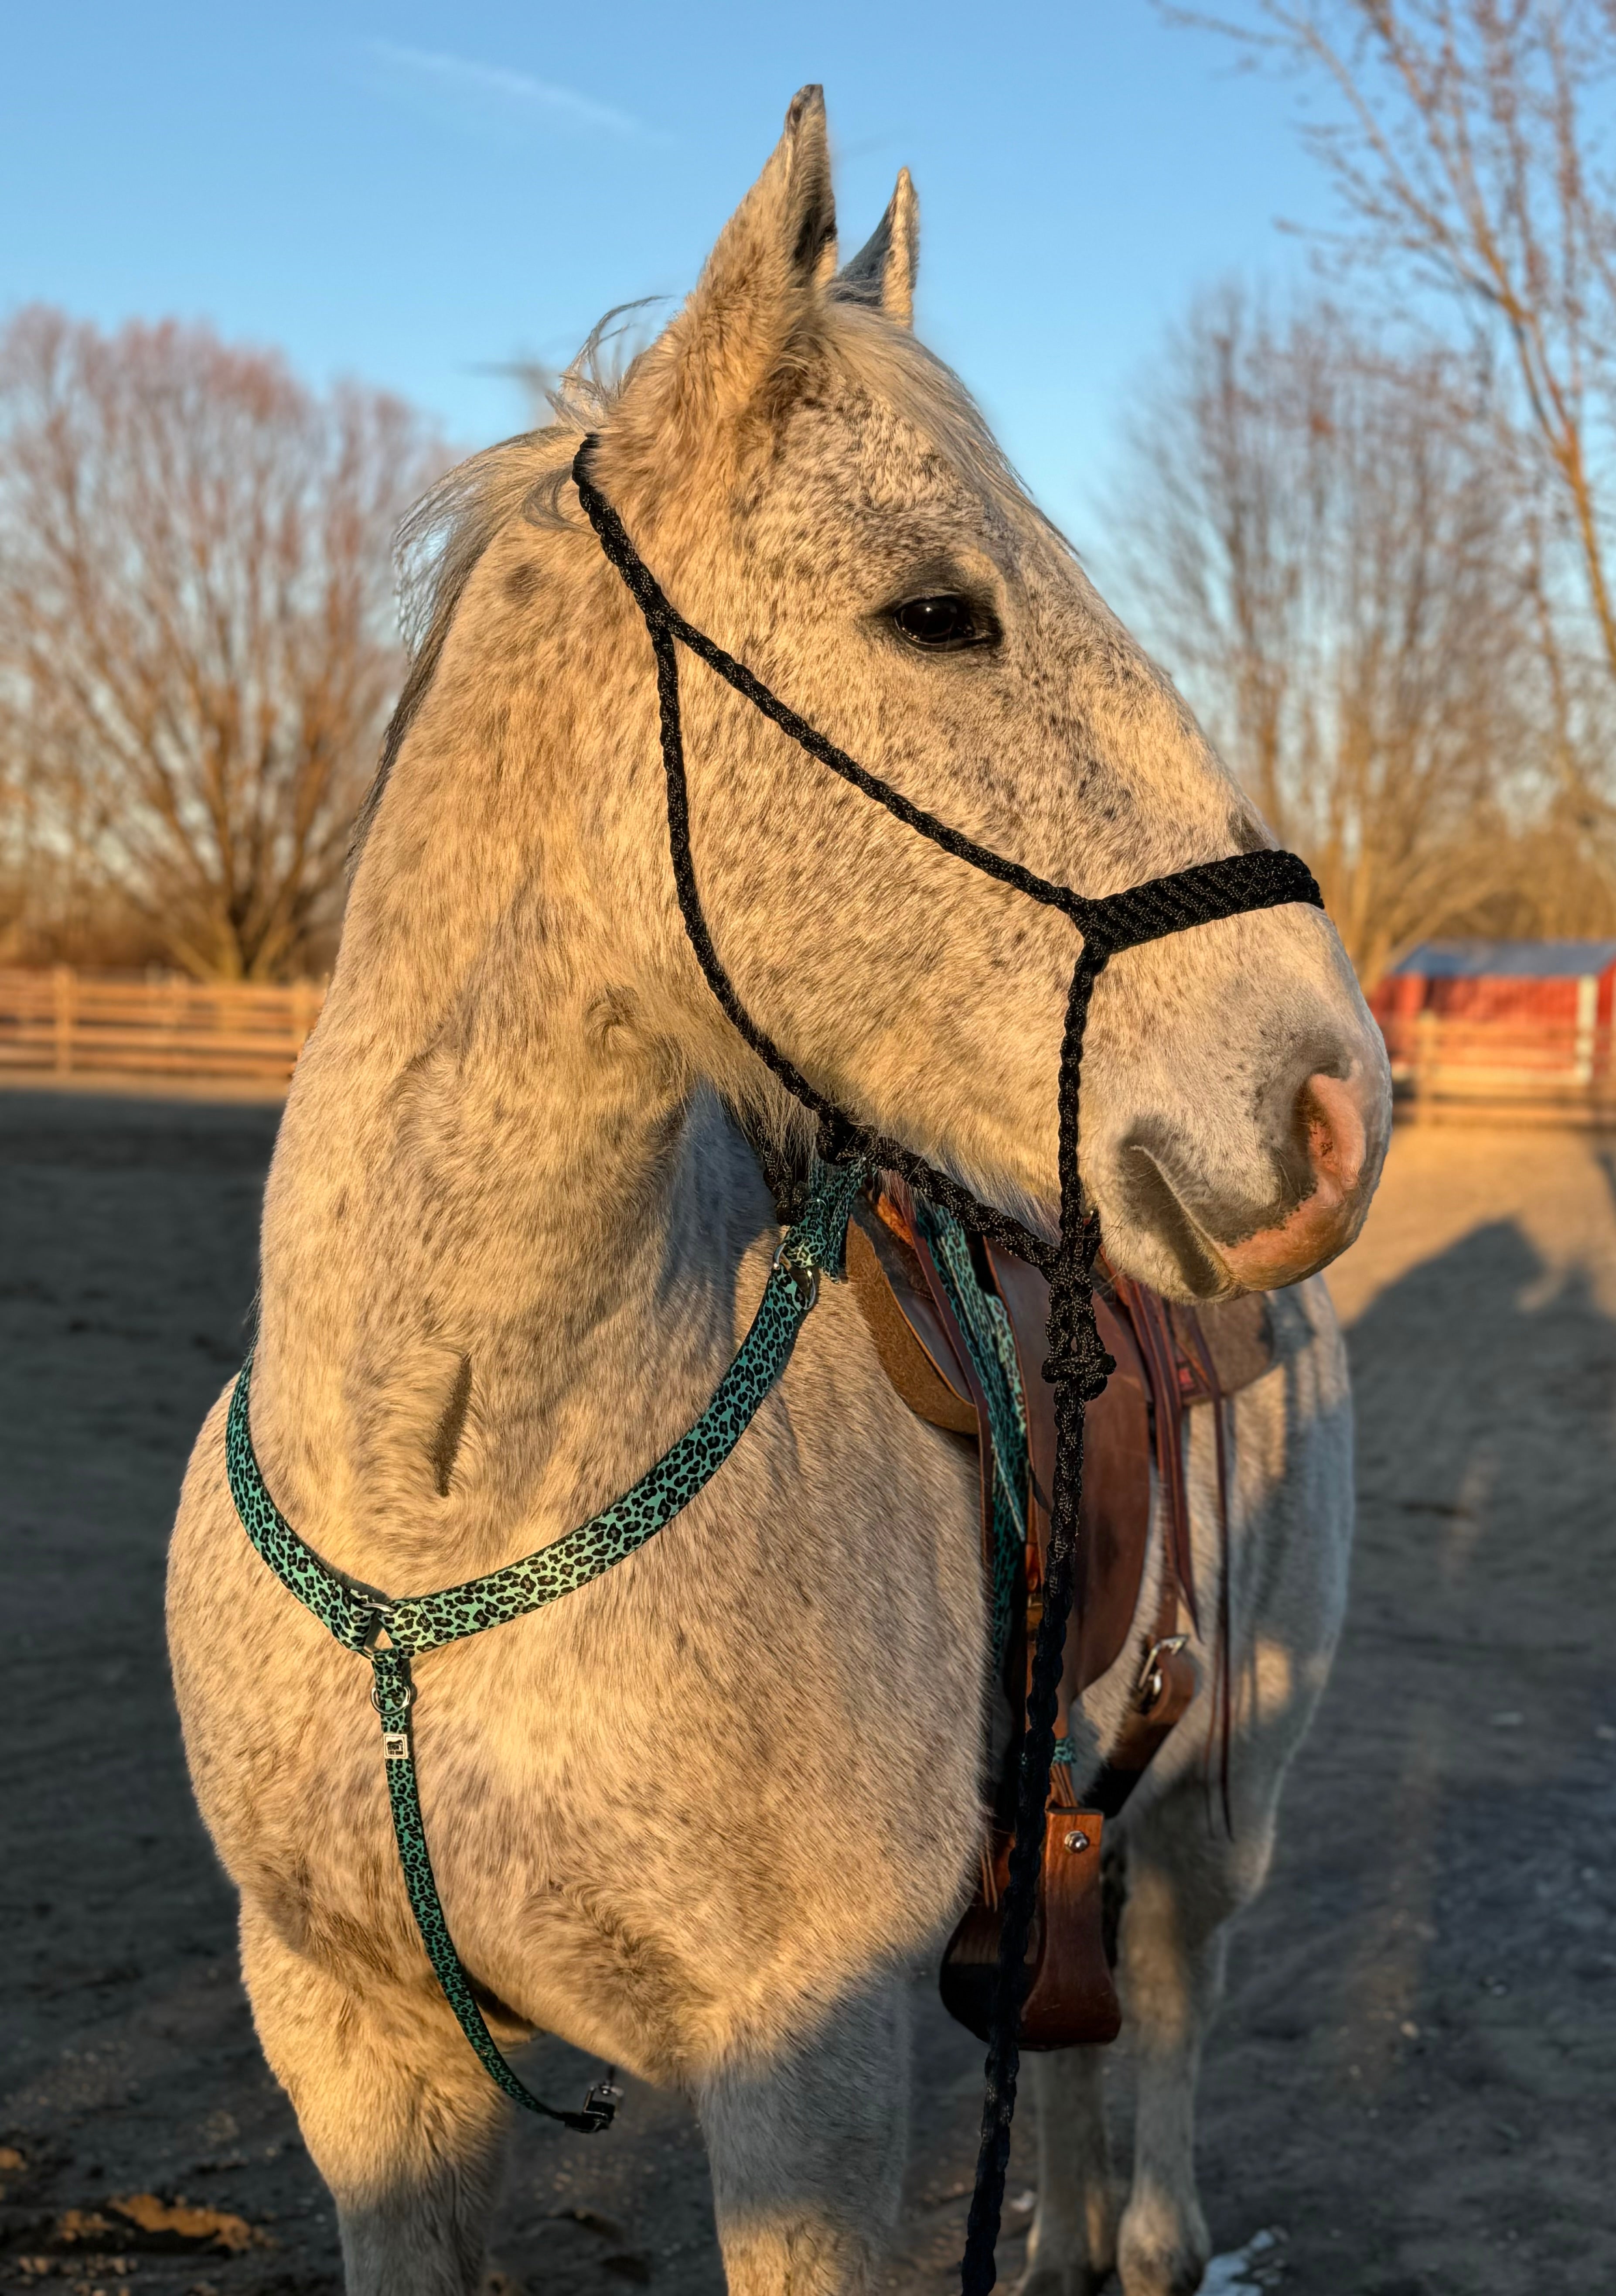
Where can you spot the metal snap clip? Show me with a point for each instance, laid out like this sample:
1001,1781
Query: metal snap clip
377,1634
805,1278
600,2105
1151,1681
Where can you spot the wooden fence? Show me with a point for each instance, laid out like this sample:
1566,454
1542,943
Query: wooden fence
68,1024
1479,1071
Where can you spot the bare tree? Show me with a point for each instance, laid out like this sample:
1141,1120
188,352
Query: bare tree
1320,540
1465,138
197,648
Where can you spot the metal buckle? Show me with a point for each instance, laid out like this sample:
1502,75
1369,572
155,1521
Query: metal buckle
1151,1682
601,2104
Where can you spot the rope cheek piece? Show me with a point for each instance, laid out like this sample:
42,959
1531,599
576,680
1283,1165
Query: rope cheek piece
1077,1366
390,1632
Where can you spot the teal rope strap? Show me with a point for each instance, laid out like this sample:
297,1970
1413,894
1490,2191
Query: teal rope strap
388,1632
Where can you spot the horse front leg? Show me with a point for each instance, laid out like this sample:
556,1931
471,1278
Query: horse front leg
1184,1882
1071,2249
398,2116
807,2152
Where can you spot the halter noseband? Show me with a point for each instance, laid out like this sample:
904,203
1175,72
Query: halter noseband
1077,1366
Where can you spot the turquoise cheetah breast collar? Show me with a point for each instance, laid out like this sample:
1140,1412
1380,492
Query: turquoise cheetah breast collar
390,1632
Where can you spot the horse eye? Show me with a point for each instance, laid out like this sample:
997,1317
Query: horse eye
942,622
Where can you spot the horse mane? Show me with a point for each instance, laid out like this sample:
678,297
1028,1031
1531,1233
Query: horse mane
442,538
441,541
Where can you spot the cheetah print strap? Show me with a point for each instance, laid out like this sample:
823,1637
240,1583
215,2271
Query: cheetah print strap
985,1329
388,1632
363,1620
393,1694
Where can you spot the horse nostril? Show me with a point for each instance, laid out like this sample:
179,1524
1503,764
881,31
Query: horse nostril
1333,1125
1331,1120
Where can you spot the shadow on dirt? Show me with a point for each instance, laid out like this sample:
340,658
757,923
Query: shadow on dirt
1414,2072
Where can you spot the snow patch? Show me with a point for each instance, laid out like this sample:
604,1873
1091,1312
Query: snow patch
1246,2271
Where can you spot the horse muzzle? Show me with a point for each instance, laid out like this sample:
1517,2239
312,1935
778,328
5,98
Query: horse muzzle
1197,1227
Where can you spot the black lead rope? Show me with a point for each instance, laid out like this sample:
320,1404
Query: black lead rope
1077,1366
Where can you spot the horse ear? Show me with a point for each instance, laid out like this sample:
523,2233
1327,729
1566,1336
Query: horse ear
761,286
882,273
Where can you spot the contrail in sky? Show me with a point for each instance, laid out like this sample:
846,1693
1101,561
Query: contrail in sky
515,89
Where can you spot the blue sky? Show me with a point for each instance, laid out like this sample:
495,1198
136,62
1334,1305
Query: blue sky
412,193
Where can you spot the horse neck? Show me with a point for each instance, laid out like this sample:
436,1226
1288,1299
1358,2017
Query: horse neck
503,1224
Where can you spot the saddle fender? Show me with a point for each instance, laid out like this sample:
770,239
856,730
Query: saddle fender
1168,1359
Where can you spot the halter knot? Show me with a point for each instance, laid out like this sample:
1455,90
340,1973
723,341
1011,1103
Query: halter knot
1086,1365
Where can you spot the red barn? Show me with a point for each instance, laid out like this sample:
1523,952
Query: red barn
1509,1012
1570,982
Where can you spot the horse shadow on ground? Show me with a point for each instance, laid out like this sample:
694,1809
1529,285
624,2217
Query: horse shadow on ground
1417,2058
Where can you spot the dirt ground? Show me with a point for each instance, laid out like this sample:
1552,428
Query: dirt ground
1412,2082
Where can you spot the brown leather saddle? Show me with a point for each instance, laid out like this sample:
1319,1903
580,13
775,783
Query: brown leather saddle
1169,1360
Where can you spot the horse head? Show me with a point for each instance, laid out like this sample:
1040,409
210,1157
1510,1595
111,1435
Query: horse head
818,494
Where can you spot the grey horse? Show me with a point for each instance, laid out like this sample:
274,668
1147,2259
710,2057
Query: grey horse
702,1816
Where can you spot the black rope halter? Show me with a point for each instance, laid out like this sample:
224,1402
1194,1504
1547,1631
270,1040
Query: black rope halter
1077,1366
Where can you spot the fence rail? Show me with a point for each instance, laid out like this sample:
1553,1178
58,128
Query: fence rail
67,1024
1549,1071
